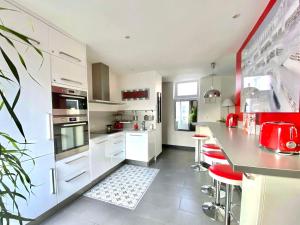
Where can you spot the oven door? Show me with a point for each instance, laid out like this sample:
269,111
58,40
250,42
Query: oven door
68,103
70,138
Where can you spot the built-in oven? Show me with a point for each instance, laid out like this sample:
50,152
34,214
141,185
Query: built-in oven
70,121
66,101
71,135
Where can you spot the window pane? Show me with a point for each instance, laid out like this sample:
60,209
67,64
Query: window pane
185,115
187,89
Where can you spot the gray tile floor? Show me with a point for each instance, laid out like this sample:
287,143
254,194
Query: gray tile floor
173,198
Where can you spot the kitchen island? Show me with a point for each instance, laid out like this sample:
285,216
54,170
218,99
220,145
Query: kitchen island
271,184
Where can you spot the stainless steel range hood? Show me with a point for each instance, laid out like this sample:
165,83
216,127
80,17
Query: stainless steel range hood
100,84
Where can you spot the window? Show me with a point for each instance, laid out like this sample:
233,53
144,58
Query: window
186,105
185,114
186,90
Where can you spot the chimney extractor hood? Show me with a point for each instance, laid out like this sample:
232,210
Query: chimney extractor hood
100,84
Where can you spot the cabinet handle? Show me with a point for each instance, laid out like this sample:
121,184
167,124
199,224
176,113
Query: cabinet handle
35,41
73,160
72,96
73,124
136,135
53,181
69,80
76,176
118,153
100,142
70,56
50,124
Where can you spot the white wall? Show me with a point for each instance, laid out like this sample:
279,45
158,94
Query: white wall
206,111
149,79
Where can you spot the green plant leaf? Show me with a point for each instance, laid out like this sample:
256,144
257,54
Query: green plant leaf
12,114
16,99
11,65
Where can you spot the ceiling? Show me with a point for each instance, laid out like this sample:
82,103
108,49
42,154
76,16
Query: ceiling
173,37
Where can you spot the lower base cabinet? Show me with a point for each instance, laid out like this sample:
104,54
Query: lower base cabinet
106,153
72,174
43,195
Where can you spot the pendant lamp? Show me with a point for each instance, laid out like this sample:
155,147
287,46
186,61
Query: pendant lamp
212,92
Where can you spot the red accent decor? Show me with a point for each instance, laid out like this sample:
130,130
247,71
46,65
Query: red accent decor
232,120
211,146
200,135
215,154
226,171
280,137
261,117
135,94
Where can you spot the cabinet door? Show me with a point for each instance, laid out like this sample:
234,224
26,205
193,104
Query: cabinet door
98,161
118,149
43,195
34,107
67,48
72,174
137,146
67,73
25,24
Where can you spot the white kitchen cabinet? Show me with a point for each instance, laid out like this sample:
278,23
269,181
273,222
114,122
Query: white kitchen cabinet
25,24
140,146
117,148
43,196
99,163
34,107
72,174
67,73
67,48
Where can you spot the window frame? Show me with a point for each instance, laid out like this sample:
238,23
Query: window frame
186,97
182,100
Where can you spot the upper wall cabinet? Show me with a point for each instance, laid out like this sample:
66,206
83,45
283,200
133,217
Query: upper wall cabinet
19,21
67,48
67,73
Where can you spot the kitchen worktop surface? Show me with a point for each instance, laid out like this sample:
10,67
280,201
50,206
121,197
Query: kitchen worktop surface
103,134
245,155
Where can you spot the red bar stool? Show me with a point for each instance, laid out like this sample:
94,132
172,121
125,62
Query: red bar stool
200,138
224,174
211,147
213,158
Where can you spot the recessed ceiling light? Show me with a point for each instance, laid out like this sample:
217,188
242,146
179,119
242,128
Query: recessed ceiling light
127,37
236,16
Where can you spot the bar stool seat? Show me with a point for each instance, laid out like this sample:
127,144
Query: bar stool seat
223,174
200,137
211,146
212,158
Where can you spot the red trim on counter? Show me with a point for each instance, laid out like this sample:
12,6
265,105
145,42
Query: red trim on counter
261,117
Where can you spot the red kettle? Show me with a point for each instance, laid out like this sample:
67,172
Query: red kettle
232,120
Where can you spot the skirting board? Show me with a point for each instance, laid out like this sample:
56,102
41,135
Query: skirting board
177,147
73,197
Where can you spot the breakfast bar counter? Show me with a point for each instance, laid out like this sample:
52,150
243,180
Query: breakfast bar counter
244,154
271,183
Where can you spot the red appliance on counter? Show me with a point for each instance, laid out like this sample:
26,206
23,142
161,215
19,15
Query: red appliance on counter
232,120
280,137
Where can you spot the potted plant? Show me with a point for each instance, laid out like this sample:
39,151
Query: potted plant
13,177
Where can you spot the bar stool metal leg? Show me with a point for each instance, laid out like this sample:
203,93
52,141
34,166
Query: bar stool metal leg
200,168
214,210
228,204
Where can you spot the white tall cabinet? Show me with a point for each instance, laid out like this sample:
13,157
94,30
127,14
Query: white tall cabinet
63,63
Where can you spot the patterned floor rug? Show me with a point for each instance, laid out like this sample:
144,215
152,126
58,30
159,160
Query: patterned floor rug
125,187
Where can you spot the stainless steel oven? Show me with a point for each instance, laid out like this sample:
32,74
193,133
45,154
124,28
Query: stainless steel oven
66,101
70,135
